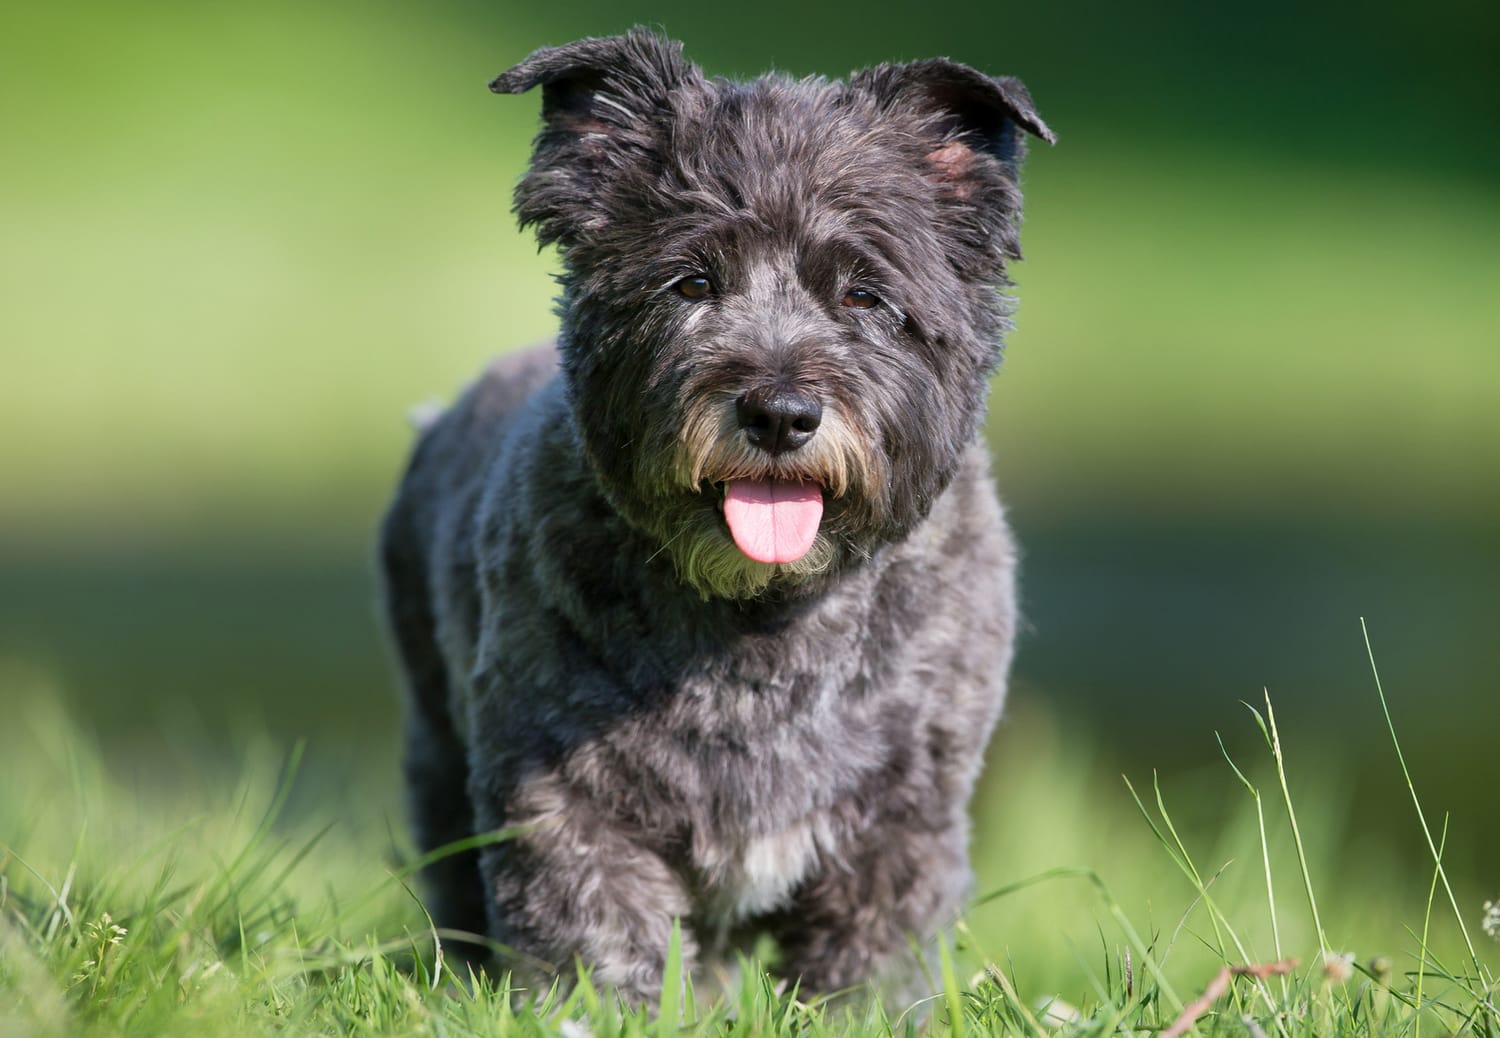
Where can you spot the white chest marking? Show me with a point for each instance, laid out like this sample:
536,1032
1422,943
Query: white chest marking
772,866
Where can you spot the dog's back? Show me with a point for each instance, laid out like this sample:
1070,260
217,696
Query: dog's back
426,544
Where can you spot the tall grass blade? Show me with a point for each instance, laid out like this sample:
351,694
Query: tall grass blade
1426,926
1273,738
953,996
1265,849
1479,971
671,982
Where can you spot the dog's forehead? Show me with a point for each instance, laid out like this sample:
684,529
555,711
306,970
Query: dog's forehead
760,134
787,155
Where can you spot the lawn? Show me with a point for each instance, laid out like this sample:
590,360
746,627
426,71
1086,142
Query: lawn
151,901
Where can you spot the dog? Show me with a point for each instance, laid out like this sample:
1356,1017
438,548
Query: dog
708,609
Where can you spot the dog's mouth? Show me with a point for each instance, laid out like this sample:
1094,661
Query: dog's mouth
771,520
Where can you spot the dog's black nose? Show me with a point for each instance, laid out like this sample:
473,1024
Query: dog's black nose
778,420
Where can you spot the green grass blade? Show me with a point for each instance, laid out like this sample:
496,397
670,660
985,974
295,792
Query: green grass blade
1426,928
1479,970
1273,735
670,1015
953,996
1265,850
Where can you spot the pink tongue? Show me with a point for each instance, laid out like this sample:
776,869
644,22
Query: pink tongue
773,520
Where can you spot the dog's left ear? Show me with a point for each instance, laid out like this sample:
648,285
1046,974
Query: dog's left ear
975,127
601,102
962,107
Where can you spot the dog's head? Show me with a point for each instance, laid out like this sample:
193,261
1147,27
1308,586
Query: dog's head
780,298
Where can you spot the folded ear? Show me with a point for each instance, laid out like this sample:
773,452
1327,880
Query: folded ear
602,103
974,131
984,114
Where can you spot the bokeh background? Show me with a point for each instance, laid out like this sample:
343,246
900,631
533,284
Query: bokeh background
1253,396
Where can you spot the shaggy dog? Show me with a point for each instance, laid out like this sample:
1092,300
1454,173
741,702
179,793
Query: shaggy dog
710,607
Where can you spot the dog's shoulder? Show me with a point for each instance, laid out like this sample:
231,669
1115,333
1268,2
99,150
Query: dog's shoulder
510,380
497,395
456,446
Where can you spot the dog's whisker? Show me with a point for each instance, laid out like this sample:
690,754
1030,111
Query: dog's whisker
665,545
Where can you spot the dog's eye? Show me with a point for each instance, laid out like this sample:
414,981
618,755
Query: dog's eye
860,299
696,287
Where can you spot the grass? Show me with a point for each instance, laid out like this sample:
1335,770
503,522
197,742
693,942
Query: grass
154,905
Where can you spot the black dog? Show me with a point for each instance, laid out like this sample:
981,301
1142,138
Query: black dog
713,605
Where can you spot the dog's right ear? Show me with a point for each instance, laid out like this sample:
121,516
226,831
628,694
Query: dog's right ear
602,101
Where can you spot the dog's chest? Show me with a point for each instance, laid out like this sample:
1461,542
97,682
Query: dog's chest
764,780
759,874
748,768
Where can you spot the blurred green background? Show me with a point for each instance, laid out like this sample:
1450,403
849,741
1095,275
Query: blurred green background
1254,393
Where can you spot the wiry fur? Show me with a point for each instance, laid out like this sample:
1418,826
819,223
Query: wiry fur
675,730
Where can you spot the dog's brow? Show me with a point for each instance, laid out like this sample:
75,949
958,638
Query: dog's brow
846,255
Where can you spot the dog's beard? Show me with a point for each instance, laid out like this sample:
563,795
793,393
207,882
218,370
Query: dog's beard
707,560
713,451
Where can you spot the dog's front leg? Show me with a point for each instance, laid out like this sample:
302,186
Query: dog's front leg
874,915
575,884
